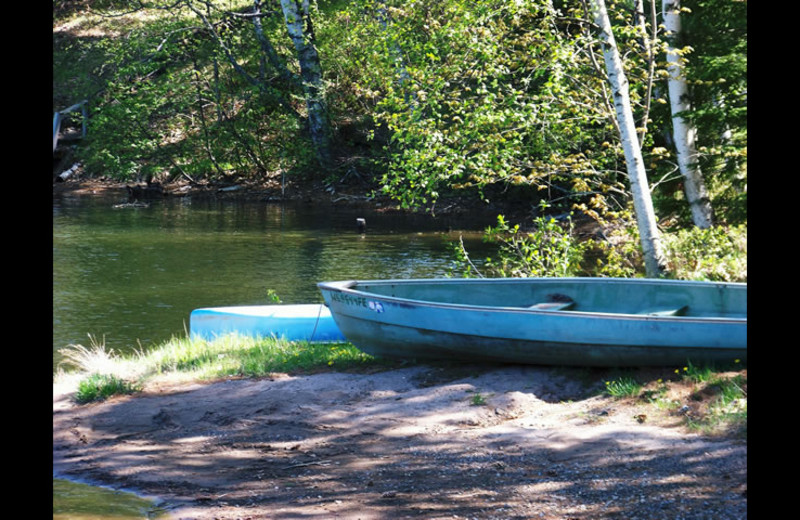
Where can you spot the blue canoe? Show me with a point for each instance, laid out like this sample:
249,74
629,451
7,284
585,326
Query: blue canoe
548,321
304,322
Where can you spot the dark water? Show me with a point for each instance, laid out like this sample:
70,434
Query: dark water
130,277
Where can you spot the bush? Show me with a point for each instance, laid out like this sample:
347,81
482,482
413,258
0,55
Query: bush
620,254
549,250
714,254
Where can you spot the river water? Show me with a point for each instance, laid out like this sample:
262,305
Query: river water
130,277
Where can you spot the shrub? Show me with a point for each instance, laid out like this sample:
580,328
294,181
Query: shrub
549,250
715,254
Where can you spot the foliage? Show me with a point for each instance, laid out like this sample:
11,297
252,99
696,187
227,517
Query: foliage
618,254
180,102
718,253
714,57
478,94
433,96
273,297
715,254
550,249
717,72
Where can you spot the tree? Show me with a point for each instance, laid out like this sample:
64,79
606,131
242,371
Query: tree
717,75
642,201
301,31
477,100
683,131
300,28
252,41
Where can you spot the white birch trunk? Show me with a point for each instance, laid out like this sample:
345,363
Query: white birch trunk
642,202
298,23
683,132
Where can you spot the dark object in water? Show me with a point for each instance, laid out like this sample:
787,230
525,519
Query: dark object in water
148,191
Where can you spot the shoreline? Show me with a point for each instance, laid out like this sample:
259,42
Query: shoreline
403,442
317,193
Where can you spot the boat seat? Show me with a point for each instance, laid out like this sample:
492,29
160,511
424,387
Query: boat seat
662,311
552,306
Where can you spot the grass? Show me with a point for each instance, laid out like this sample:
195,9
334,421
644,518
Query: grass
709,400
724,400
477,400
102,373
624,387
98,387
244,356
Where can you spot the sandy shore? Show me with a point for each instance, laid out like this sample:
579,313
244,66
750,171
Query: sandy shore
504,442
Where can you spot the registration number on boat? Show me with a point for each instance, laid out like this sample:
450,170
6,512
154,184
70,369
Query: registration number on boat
357,301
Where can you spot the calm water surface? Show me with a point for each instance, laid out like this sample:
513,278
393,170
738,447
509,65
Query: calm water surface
131,277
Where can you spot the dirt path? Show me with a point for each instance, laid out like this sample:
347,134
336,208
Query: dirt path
419,442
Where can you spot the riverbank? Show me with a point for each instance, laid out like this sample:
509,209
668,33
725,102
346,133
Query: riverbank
418,441
322,193
422,441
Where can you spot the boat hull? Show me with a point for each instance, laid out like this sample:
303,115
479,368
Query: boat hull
386,322
304,322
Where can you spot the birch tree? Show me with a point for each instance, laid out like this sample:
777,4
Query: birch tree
301,31
299,26
642,201
684,133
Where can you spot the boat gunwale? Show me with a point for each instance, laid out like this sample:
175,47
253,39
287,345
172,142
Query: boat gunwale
347,287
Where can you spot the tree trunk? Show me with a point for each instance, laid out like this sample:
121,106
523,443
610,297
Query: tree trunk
642,202
683,132
268,51
648,43
298,23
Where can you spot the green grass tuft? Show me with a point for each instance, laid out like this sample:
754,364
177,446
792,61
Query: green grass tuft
623,387
98,387
105,373
244,356
478,400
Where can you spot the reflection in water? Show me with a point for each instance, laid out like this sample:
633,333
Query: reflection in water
131,277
